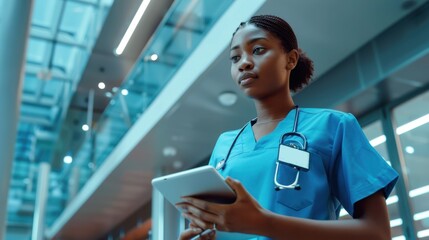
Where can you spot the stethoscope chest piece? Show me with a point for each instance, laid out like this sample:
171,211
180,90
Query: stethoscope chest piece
294,157
220,165
292,152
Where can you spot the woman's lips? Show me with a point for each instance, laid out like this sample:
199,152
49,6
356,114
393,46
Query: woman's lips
247,81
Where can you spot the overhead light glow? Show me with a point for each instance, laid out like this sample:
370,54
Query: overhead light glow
378,140
423,233
169,151
391,200
154,57
121,47
343,212
413,124
124,92
419,191
409,149
395,222
108,94
401,237
402,129
227,98
68,159
421,215
101,85
85,127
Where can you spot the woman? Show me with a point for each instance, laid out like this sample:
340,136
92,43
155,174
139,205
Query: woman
344,169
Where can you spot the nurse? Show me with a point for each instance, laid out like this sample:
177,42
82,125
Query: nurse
343,168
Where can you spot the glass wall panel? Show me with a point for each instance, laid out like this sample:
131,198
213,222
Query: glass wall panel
412,118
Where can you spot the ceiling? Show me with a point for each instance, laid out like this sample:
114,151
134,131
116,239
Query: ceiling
172,106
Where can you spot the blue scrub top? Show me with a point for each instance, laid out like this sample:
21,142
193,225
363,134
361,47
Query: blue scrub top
344,167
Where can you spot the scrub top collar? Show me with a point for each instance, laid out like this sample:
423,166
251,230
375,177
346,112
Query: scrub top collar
272,139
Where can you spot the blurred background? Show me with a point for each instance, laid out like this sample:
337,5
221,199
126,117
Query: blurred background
97,97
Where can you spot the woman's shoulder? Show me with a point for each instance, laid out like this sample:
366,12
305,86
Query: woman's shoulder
230,134
332,114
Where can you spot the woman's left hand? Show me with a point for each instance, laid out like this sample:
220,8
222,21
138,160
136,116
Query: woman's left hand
241,216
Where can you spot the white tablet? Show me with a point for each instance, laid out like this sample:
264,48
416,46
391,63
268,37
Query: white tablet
202,182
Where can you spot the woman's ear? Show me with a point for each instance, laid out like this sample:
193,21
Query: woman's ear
292,59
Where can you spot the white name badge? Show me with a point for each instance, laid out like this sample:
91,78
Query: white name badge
295,157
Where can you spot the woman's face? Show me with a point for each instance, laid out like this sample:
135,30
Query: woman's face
259,65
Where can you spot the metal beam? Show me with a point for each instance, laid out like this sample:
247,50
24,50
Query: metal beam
12,60
59,40
394,150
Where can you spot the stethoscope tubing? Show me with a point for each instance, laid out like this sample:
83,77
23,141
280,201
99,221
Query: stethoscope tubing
278,186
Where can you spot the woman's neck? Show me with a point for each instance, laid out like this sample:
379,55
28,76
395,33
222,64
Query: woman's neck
273,108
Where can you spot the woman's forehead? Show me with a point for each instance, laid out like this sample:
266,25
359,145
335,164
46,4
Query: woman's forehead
247,33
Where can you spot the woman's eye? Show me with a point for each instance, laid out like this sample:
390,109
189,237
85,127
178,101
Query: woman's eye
258,50
235,59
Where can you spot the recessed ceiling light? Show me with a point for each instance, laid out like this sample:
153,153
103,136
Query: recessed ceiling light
85,127
409,149
228,98
154,57
68,159
177,165
114,89
108,94
124,92
169,152
101,85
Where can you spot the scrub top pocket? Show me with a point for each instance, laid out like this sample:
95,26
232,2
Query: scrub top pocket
291,198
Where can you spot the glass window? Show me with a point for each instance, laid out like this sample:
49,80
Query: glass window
412,118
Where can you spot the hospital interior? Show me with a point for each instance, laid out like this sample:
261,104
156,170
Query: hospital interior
98,97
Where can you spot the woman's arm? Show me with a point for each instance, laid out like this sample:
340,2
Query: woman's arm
371,223
247,216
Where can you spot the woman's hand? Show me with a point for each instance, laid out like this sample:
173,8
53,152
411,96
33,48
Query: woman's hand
241,216
194,232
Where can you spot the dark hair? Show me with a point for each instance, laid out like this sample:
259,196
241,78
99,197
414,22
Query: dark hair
303,71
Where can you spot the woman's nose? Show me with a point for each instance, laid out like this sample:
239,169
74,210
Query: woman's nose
245,64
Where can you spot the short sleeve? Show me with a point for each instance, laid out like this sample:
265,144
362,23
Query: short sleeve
358,169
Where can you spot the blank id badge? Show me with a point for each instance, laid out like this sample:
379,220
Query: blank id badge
295,157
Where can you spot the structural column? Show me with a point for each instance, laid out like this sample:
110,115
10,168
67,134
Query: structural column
41,199
167,223
14,29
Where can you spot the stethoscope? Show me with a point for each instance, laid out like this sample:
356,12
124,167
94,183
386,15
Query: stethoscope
294,149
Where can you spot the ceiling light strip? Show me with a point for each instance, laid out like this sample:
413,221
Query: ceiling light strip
126,38
402,129
419,191
413,124
378,140
401,237
395,222
423,233
421,215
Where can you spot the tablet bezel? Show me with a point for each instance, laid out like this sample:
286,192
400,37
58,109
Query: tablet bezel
203,182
